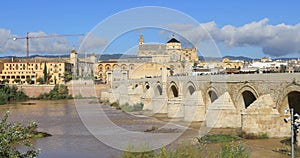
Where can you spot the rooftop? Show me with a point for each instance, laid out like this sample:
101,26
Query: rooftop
173,40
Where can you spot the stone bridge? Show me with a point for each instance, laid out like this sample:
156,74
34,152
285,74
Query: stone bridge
253,102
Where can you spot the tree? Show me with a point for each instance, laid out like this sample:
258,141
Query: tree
67,76
17,80
3,97
40,80
183,63
5,81
13,134
282,68
11,93
58,92
195,64
29,80
55,79
45,72
172,70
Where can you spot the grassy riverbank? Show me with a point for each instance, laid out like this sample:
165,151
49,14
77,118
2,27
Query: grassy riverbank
225,146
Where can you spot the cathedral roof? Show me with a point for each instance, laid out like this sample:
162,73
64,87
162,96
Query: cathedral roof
173,40
149,47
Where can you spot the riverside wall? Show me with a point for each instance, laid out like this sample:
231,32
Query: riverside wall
85,90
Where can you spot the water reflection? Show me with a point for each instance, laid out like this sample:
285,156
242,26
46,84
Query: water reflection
69,137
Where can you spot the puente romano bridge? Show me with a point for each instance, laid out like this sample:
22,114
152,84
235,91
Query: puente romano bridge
253,102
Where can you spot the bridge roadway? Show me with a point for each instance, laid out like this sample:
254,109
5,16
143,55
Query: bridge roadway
252,102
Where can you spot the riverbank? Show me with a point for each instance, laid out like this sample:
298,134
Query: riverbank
257,147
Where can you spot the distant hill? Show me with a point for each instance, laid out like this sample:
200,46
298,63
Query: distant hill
202,58
105,57
36,56
285,58
238,58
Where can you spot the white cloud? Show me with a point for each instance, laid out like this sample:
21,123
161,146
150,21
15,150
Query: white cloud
48,45
92,44
275,40
6,42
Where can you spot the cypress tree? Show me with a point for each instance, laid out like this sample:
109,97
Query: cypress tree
45,73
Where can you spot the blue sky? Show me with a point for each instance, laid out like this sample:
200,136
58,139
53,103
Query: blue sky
71,17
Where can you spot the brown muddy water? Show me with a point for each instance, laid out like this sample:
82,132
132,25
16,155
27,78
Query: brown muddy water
70,138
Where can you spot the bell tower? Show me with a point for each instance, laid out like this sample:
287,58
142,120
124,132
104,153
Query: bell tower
141,40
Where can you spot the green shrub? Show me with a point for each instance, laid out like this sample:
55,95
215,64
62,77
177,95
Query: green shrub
217,138
191,151
146,152
130,108
115,105
40,80
16,133
58,92
233,151
263,136
3,97
255,136
11,93
78,96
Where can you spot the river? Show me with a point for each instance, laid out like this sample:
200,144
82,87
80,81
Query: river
70,137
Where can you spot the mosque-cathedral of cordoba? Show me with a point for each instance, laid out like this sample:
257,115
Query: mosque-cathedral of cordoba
149,61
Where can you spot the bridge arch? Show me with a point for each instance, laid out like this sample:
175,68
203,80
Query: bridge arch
289,98
211,95
246,96
173,91
146,86
158,90
190,89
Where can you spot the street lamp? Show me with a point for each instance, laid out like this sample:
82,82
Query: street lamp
294,126
27,43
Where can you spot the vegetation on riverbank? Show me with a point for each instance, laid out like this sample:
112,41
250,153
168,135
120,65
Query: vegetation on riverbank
217,138
11,93
227,146
16,134
58,92
128,108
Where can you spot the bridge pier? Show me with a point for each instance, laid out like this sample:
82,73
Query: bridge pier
175,108
194,108
160,104
261,118
222,113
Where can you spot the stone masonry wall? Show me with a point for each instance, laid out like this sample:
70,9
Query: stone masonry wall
85,91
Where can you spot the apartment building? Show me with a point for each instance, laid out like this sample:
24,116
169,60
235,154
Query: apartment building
29,72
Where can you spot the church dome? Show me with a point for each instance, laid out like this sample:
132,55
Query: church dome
173,40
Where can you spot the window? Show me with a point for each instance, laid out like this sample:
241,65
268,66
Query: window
174,57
